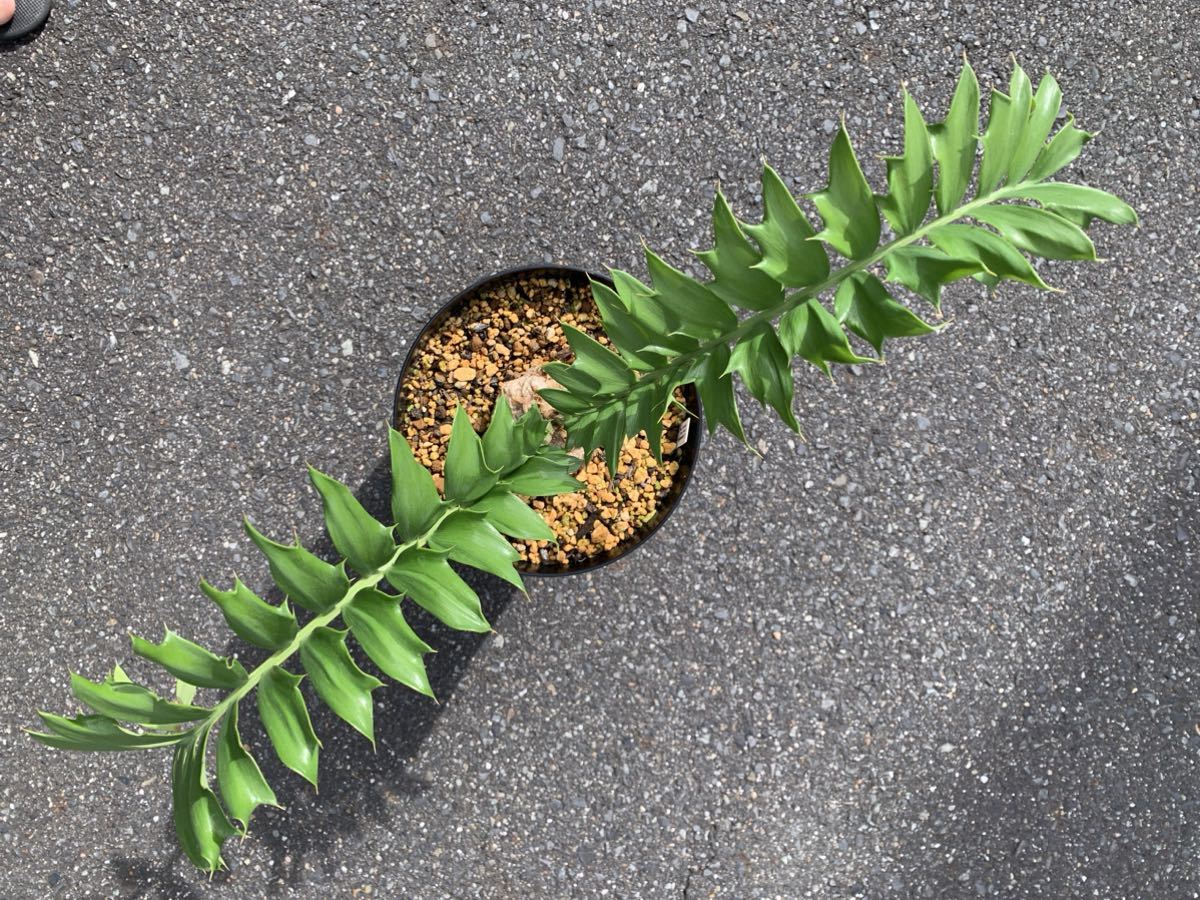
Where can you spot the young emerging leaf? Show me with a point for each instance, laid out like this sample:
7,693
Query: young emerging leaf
185,693
847,205
285,717
252,618
501,448
531,431
358,536
345,688
379,627
191,662
426,577
239,779
789,255
313,583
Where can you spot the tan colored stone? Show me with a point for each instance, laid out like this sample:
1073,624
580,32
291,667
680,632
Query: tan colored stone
522,393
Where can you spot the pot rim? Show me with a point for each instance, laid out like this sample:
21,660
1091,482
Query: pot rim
690,457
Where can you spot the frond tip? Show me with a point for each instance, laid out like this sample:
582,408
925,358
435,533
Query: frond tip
680,330
413,554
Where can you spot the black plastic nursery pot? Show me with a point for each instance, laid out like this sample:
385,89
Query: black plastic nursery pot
689,437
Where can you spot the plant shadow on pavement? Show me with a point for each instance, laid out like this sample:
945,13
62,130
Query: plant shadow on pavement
358,786
1091,764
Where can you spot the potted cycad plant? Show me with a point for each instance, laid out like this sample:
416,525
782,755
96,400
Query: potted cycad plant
669,333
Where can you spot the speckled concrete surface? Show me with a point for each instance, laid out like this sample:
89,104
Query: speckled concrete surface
947,648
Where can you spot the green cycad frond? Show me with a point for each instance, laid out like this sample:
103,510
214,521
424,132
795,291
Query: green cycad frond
679,330
483,476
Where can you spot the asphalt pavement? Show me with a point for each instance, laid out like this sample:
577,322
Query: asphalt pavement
947,646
